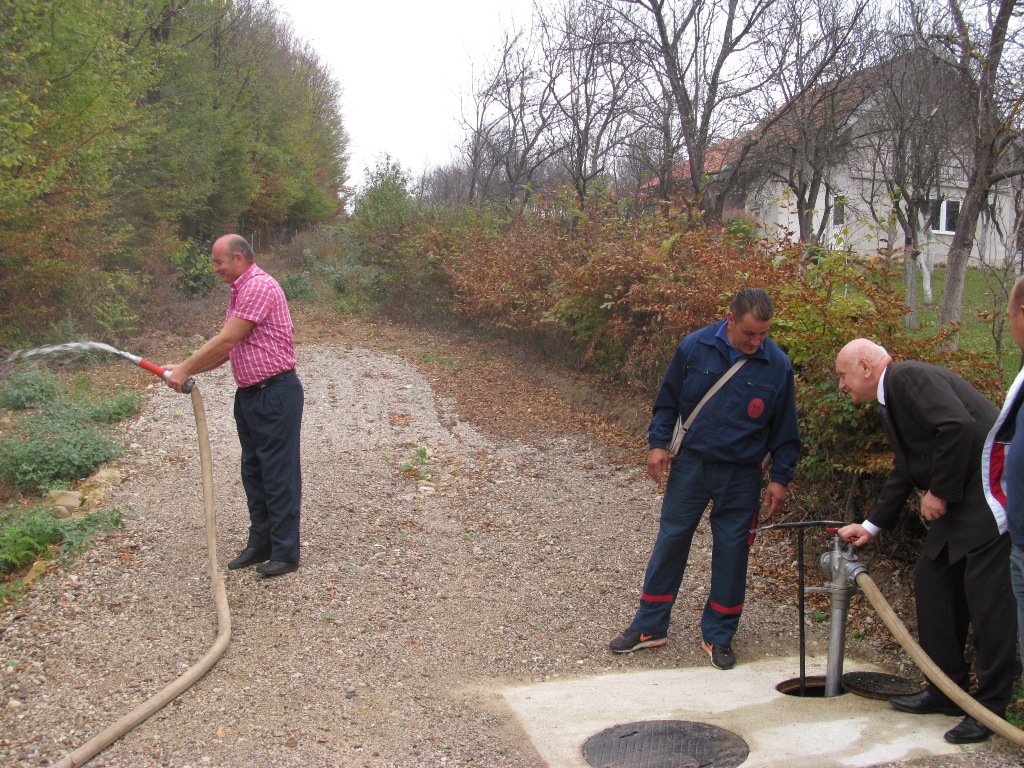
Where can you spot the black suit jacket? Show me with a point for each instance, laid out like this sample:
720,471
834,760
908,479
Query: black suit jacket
937,424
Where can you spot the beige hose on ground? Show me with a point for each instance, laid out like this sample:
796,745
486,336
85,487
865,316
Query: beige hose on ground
935,675
159,700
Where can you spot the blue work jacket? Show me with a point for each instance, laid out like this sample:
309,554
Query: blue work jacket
753,414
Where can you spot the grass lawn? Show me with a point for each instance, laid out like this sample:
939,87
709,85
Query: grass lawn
982,294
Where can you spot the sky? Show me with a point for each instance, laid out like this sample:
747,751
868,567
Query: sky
404,67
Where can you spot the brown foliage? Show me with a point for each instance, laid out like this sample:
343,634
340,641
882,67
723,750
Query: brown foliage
620,291
603,291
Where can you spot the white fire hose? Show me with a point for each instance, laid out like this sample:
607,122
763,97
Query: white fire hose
159,700
935,675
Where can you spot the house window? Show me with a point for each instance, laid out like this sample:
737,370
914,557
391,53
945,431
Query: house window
838,213
943,215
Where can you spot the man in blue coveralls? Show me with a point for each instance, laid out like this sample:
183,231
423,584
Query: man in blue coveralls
720,461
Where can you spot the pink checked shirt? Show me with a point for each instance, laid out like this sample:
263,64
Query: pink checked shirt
269,346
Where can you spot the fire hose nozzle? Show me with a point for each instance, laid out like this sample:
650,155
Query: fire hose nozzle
163,373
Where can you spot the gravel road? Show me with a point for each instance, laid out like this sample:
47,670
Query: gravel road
441,561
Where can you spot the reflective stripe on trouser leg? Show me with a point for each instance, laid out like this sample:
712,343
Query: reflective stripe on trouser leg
681,509
736,493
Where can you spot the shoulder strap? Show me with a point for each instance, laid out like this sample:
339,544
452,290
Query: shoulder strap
717,386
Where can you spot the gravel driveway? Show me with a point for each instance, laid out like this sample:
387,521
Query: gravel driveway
440,562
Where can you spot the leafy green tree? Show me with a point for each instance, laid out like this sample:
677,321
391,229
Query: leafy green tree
129,128
68,107
247,126
383,210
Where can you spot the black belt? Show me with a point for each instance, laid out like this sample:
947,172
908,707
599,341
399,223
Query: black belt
272,380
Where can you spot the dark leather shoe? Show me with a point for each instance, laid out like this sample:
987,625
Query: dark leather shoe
277,568
930,701
248,556
970,731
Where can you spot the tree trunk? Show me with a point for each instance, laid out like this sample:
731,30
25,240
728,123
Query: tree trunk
926,278
985,155
910,257
960,249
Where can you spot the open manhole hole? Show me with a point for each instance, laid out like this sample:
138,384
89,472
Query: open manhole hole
813,687
665,744
878,685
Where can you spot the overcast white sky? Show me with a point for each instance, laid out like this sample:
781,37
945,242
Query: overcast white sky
403,66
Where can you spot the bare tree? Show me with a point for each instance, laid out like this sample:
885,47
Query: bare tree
982,41
819,93
518,107
708,51
650,153
589,59
476,149
912,126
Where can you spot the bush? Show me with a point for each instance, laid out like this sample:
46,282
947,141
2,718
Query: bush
845,454
298,286
54,452
109,410
194,272
113,301
359,284
382,212
22,540
29,388
26,535
590,286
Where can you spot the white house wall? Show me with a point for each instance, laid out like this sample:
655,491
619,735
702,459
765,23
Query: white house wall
775,208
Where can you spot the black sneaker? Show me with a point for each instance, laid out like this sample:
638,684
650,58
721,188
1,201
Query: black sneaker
721,654
632,640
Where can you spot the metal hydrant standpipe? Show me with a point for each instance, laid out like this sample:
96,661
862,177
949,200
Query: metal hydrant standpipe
852,572
159,700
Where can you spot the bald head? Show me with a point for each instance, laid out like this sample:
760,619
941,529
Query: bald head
236,244
859,366
1017,293
1015,312
232,256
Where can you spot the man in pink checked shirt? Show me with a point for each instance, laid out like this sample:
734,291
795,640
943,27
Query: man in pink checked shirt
258,339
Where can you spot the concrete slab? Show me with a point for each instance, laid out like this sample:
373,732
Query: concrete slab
781,730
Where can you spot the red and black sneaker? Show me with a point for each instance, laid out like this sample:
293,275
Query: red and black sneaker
721,654
633,640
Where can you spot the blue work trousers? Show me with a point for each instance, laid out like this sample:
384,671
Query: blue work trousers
269,424
1017,579
734,491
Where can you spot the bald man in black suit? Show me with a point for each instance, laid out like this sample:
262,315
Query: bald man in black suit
937,423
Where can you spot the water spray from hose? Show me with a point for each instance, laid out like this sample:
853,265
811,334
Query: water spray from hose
81,346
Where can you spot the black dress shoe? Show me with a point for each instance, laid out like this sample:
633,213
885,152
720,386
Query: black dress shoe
248,556
970,731
277,568
928,702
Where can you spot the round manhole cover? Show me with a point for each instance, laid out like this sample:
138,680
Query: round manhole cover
878,685
665,744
